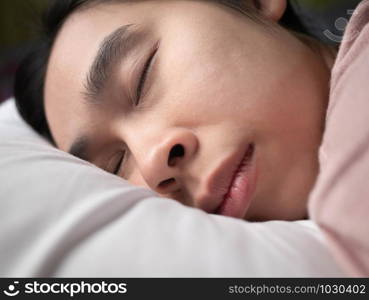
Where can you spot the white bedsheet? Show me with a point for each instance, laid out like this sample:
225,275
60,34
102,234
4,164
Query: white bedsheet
61,216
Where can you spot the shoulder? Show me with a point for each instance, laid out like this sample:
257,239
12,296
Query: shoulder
355,42
340,195
348,109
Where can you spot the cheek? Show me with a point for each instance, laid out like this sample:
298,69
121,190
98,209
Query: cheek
221,81
136,178
132,173
202,87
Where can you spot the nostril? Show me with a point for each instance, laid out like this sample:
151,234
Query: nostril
176,152
166,183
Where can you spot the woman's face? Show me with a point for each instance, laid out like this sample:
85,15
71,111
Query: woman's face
218,86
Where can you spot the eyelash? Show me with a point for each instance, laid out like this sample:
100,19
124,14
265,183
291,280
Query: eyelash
143,77
119,164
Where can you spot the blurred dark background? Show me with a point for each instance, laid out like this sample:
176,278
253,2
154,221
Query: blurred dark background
18,27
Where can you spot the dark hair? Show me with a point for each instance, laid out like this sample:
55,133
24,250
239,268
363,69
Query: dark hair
31,73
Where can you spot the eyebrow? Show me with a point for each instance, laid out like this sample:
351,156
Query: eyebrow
115,48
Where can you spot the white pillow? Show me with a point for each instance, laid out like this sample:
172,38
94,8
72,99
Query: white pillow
61,216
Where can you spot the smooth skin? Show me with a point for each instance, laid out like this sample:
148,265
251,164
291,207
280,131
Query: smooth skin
219,81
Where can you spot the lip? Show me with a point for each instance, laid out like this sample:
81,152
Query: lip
232,184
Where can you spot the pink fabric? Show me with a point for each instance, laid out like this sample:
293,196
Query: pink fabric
339,202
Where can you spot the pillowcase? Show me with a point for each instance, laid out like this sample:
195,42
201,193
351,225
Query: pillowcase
61,216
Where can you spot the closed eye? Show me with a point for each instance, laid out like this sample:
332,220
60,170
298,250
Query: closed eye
144,74
119,164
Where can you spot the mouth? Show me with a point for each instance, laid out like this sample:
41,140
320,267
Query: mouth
241,185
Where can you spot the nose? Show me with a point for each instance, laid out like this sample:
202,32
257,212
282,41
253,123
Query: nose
164,164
